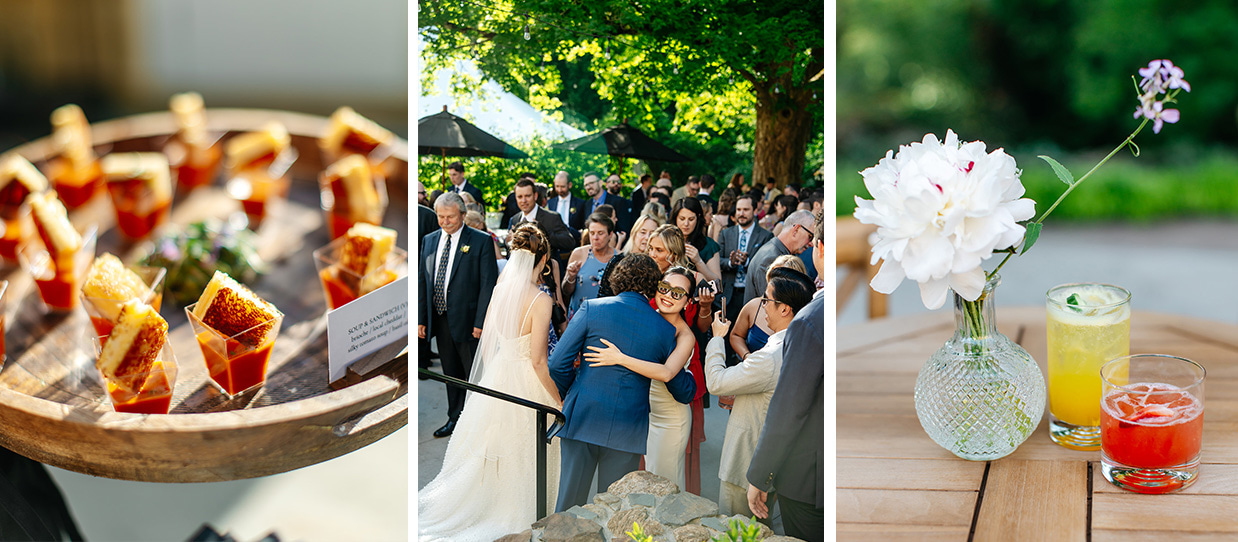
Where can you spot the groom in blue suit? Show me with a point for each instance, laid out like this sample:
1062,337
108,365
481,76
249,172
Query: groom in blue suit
607,408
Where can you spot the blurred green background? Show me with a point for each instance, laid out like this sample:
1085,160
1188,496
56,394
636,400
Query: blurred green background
1047,77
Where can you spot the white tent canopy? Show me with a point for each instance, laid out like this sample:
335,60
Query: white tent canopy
494,110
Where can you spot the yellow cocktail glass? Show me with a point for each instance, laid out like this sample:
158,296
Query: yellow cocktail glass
1088,325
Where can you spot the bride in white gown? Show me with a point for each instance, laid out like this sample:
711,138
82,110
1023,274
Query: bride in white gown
487,485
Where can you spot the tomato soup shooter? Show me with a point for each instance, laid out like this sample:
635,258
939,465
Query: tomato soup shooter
1152,422
1088,325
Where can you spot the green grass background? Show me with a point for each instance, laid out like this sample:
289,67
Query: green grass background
1125,189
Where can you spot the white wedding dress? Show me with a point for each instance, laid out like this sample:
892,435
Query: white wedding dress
487,485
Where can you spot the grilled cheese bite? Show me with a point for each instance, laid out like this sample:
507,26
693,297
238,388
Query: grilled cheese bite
133,346
365,249
52,221
190,113
108,278
252,148
148,168
353,133
352,185
18,179
15,168
71,133
230,308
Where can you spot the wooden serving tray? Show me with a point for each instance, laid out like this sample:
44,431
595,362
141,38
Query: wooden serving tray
52,404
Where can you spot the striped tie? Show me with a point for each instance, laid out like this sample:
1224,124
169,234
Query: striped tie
440,280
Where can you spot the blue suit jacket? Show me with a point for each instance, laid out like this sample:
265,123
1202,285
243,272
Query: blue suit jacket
609,406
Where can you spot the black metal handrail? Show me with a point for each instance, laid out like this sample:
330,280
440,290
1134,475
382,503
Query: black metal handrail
543,434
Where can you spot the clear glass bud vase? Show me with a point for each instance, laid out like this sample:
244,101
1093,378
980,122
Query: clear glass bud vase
981,395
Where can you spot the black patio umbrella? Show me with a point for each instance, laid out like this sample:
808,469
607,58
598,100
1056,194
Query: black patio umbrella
443,134
624,141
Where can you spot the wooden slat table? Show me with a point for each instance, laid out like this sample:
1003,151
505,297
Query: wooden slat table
895,483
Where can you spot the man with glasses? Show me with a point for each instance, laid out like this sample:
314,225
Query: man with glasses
597,197
752,383
789,457
796,235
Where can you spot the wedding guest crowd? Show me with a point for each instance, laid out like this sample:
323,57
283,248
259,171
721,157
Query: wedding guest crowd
755,249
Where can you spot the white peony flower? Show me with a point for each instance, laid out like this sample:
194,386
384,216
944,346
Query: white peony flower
942,208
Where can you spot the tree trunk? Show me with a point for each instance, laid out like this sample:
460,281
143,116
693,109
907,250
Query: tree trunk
783,125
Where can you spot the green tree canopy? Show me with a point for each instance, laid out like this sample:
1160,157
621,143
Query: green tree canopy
717,79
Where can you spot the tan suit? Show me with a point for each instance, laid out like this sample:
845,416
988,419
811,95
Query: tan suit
678,194
752,382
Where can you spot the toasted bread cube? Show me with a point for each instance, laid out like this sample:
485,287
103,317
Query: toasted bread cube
230,308
133,346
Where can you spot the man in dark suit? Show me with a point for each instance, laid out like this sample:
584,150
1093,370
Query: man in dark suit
640,195
622,205
455,171
562,240
607,407
509,204
565,203
739,243
426,222
790,456
707,190
459,272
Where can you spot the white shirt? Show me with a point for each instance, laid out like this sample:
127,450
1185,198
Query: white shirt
451,259
532,216
563,206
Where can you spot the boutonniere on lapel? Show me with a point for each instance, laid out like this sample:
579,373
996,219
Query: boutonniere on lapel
464,249
572,210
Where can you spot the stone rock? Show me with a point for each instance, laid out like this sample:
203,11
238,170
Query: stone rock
642,481
601,512
781,538
717,523
582,513
680,508
622,521
694,533
642,499
565,527
607,500
525,536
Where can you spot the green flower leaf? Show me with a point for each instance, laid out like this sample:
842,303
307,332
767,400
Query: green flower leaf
1033,233
1073,299
1060,170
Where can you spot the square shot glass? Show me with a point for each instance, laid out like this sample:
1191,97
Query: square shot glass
238,362
342,286
143,393
58,287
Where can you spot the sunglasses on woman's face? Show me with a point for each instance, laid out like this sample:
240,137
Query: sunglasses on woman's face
675,292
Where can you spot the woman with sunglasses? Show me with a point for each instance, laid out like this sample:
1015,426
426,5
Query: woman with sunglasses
666,247
670,422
